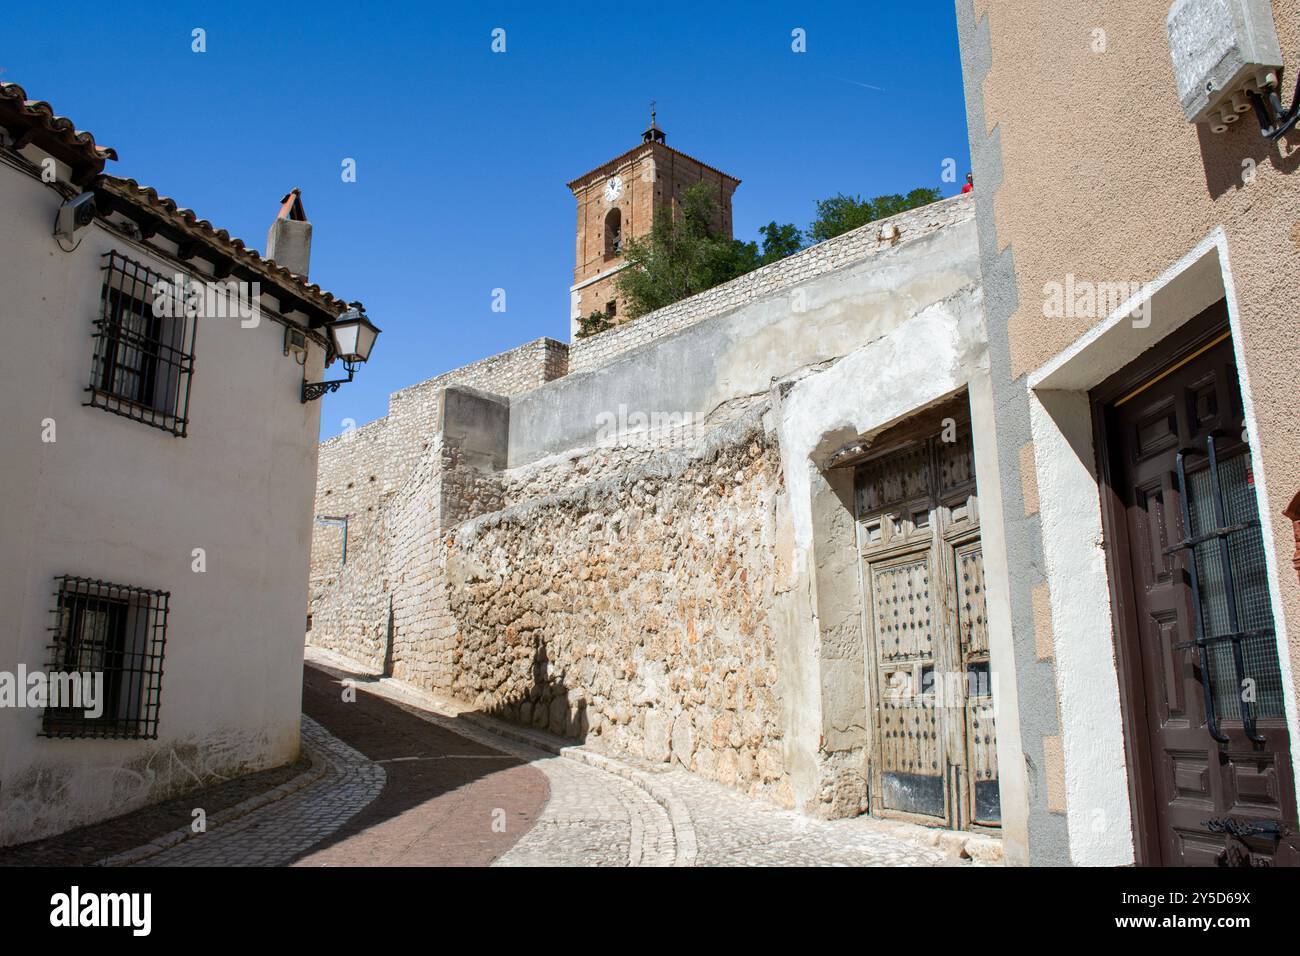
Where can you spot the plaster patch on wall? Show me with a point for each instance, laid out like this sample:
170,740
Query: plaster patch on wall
926,358
1040,597
1054,773
1028,478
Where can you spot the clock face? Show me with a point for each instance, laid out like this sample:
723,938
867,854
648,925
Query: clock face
613,188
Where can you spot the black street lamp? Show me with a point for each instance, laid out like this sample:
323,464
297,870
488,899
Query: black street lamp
352,336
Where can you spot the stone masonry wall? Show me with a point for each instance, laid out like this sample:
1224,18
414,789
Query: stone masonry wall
387,607
647,593
627,601
359,468
635,611
854,246
622,452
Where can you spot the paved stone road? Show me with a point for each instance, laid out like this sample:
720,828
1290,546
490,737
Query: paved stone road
732,829
280,832
592,818
448,800
414,781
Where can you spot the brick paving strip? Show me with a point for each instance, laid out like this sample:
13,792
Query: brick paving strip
442,783
448,800
398,791
592,817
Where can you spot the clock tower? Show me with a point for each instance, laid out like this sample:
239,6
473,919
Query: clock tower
619,201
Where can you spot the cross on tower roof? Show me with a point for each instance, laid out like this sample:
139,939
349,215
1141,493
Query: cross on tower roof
653,133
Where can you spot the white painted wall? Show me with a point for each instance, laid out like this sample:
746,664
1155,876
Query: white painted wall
1074,556
119,500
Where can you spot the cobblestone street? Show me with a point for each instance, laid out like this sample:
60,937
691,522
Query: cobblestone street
399,778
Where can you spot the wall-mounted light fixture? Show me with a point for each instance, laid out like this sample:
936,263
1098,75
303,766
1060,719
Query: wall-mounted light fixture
352,336
75,213
295,343
1227,60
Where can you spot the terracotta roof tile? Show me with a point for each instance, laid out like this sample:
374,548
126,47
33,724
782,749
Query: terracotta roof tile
291,206
186,220
58,135
14,97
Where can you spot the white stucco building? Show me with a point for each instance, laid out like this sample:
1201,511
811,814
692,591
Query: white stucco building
158,473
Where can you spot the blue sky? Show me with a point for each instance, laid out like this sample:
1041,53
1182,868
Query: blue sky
462,154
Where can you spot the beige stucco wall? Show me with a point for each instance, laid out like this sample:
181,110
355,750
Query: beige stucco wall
116,499
1103,178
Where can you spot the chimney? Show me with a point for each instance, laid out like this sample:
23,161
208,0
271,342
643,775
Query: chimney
289,241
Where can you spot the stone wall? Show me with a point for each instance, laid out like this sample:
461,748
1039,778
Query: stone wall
625,555
360,467
635,611
622,450
855,246
628,601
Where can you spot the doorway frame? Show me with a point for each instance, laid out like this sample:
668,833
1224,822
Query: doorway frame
1106,826
1175,348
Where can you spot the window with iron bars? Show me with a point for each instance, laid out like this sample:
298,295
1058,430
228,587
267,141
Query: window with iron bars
116,631
143,358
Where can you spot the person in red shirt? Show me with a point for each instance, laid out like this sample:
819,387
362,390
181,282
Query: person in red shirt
970,184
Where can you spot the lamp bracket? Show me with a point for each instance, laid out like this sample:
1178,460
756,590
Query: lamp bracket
314,390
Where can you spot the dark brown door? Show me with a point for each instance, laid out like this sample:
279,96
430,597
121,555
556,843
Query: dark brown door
1205,728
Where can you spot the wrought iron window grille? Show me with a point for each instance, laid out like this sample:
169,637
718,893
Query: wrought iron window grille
144,359
1236,633
118,632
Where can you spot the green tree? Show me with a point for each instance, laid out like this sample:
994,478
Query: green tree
685,254
598,321
779,242
841,213
682,255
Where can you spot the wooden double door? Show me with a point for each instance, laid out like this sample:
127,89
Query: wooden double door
1208,750
931,688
